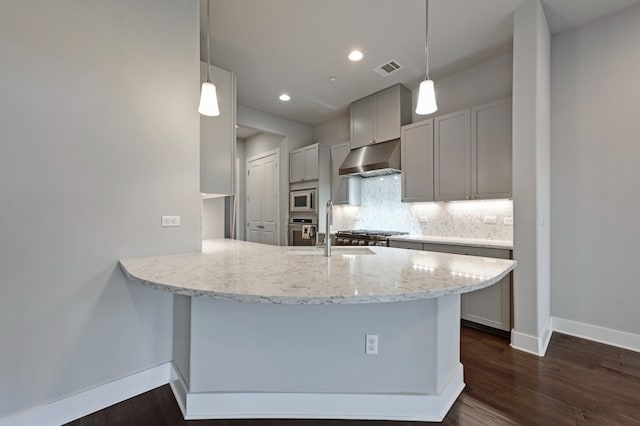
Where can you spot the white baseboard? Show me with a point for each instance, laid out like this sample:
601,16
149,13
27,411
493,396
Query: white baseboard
608,336
87,402
532,344
221,405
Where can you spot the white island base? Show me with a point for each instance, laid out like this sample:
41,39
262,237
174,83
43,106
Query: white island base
259,360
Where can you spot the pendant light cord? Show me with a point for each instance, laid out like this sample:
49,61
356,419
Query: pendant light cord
426,37
208,48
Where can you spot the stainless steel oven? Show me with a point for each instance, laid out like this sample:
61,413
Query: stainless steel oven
303,231
303,201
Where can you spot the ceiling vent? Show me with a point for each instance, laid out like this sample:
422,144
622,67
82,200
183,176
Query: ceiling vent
388,68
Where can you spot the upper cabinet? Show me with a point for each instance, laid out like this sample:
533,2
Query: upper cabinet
452,156
491,150
303,164
464,155
218,136
379,117
416,157
344,189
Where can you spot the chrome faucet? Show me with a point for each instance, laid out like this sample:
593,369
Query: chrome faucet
327,234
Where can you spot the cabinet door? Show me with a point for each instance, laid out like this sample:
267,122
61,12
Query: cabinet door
362,122
339,184
297,166
311,163
490,306
416,156
218,137
452,150
491,150
387,115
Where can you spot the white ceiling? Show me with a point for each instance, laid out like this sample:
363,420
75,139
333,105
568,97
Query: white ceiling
294,46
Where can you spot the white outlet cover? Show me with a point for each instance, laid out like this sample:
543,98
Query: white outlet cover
490,220
371,344
508,221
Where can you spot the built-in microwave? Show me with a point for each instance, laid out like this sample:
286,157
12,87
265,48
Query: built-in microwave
303,201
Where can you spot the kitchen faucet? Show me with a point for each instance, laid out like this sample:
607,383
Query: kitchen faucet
327,234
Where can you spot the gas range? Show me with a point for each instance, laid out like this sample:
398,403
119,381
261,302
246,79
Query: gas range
364,237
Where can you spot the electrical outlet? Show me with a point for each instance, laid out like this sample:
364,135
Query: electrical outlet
508,221
490,220
371,344
170,221
423,219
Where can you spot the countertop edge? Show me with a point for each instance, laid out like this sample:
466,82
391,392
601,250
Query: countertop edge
313,300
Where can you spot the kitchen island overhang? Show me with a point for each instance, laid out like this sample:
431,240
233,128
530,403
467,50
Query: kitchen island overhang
277,332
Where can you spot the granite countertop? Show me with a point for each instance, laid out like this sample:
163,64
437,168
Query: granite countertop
470,242
249,272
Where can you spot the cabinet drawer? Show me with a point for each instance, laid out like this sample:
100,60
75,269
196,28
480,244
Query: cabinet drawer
469,251
411,245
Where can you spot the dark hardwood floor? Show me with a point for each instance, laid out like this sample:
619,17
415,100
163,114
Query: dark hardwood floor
578,382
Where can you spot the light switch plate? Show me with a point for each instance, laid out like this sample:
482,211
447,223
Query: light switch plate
170,221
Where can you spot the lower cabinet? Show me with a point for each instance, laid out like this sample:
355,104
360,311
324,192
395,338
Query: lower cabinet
490,306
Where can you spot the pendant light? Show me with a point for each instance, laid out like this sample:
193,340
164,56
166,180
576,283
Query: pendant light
426,93
208,96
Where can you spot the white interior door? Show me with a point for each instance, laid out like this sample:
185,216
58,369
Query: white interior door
262,199
270,200
254,201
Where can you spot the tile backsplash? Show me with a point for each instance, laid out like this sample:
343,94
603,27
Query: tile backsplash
381,209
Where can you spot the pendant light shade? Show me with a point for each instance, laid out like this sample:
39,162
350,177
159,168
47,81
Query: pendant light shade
427,92
209,100
208,95
426,98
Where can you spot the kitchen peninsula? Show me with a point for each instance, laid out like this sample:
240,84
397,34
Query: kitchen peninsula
280,332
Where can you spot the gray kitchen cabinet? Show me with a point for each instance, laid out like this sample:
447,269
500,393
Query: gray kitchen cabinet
452,156
378,118
491,150
416,157
344,189
361,122
490,306
218,136
303,164
411,245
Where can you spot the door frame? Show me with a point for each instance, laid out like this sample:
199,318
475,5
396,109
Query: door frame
276,152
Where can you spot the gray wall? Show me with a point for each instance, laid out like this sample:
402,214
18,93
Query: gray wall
213,218
531,165
100,137
333,131
484,82
295,136
481,83
262,142
595,238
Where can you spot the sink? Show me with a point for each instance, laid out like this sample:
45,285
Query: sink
335,251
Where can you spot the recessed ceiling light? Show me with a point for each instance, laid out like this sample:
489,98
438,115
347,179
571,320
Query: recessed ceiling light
355,55
284,97
332,79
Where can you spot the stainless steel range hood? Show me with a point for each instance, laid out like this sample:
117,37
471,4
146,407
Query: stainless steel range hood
373,160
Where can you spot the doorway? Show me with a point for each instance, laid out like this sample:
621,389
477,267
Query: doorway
263,197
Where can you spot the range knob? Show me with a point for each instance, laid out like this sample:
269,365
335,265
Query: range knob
361,243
